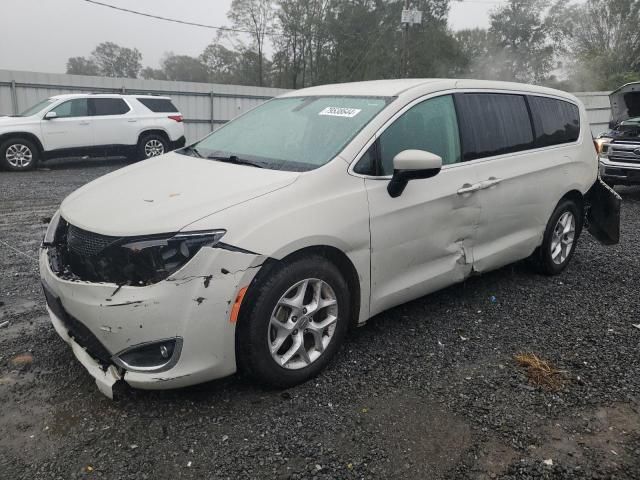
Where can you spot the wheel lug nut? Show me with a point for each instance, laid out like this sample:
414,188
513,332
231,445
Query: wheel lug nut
295,332
304,310
294,318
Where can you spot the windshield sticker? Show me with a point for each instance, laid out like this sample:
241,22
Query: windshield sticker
340,112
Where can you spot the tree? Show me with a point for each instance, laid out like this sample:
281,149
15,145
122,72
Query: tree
603,43
256,17
82,66
222,63
149,73
109,60
522,45
184,68
116,61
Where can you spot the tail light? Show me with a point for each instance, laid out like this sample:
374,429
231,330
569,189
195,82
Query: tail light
177,118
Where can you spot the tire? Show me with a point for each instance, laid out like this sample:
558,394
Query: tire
565,226
151,145
19,155
257,334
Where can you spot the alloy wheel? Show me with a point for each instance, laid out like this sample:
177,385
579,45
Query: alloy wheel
564,234
153,148
303,324
19,155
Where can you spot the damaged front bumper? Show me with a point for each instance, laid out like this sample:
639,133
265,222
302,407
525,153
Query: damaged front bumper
101,320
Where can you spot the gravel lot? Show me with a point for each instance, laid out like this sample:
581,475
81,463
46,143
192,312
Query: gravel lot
427,390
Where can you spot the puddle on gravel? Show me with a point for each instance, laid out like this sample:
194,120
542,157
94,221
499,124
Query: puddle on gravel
420,438
12,306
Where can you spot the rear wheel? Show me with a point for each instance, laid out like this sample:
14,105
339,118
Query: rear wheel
294,322
560,238
18,155
151,145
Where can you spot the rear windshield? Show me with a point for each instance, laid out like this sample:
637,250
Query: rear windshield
295,133
158,105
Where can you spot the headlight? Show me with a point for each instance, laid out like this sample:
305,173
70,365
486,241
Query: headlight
142,260
602,145
50,236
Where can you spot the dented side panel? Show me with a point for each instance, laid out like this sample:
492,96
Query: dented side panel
423,240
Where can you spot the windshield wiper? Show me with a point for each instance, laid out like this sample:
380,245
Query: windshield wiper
235,160
193,151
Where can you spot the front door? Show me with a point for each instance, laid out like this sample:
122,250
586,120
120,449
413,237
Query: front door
422,240
71,128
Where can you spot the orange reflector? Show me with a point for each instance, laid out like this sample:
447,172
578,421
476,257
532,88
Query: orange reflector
235,310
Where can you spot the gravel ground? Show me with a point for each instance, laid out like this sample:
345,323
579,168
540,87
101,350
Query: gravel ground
427,390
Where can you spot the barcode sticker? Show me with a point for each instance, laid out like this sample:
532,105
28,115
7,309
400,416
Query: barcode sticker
340,112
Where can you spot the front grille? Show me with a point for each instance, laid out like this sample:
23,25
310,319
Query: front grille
86,243
624,153
77,330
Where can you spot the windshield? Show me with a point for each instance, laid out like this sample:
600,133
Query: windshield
296,134
37,107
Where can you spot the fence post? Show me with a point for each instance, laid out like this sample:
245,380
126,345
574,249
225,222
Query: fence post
213,119
14,98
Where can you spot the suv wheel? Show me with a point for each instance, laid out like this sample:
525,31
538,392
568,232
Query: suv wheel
560,238
18,155
294,323
151,145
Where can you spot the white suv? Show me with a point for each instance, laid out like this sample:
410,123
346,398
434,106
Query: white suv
138,126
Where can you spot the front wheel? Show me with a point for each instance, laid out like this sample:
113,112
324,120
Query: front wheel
560,238
294,322
18,155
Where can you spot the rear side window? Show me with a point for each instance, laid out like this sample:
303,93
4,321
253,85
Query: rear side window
108,106
493,124
158,105
555,121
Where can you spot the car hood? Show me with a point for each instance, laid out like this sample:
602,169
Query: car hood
7,121
625,103
165,194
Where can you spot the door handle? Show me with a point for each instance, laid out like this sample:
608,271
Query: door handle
491,182
132,121
85,123
468,188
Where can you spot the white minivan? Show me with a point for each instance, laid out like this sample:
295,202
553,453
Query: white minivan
257,248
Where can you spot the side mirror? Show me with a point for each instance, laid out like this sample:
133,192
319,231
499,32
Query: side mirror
50,115
412,165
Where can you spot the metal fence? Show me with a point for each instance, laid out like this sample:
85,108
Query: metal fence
205,106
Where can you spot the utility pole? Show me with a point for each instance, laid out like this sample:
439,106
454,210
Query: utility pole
409,17
404,58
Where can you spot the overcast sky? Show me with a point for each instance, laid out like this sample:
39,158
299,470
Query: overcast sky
40,35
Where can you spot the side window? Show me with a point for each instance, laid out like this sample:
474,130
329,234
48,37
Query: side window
158,105
494,124
109,106
367,165
72,108
431,126
555,121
